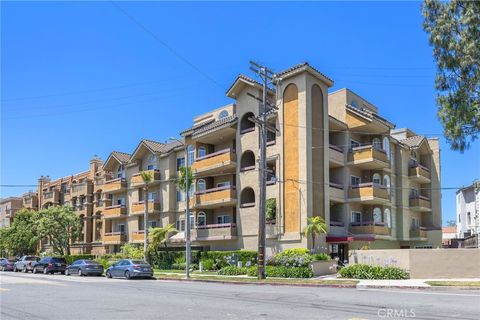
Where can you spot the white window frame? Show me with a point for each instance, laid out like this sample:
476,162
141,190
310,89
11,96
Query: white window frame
152,196
377,143
222,219
377,179
201,216
355,214
356,177
190,154
201,185
386,146
152,162
223,184
377,215
201,152
120,227
387,216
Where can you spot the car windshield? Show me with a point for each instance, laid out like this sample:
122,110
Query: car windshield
58,260
139,262
91,262
32,258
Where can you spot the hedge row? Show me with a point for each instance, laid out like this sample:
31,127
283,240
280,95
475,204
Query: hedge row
365,271
272,271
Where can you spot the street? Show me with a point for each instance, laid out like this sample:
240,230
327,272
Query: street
29,296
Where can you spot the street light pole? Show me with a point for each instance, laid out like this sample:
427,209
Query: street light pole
188,248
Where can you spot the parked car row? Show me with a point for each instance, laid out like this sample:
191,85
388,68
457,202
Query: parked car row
126,268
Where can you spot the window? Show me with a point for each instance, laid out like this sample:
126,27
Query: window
386,182
356,217
223,184
152,224
247,162
246,125
377,144
414,193
376,179
180,225
469,218
459,219
201,219
387,217
377,215
121,171
180,163
121,228
415,224
152,196
190,154
223,219
192,220
121,201
191,190
222,114
202,152
386,147
354,144
180,195
201,186
354,180
152,162
247,198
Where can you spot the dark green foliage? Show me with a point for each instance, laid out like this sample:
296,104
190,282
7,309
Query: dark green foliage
226,258
321,257
365,271
271,209
283,272
208,264
233,271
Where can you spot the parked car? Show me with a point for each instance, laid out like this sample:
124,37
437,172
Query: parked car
85,268
50,265
25,263
128,269
6,264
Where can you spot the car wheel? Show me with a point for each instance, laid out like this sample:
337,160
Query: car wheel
45,271
127,275
67,273
3,268
80,273
34,271
108,274
24,270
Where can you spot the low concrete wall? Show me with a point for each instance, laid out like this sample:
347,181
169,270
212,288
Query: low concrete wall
321,268
424,263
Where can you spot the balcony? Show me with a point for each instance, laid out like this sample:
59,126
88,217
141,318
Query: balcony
419,173
139,207
368,193
81,189
421,204
114,238
51,196
337,193
418,233
102,204
368,157
137,181
115,186
137,236
214,198
336,156
10,213
370,227
212,232
117,211
218,162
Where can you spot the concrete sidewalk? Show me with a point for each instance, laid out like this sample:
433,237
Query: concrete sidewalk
410,283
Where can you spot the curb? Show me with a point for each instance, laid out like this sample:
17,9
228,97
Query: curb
426,288
263,283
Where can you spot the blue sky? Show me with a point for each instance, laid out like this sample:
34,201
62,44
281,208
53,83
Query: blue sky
80,79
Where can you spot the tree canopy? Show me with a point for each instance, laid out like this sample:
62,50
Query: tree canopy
22,236
454,32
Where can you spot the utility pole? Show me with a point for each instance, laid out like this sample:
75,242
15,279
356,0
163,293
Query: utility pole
261,120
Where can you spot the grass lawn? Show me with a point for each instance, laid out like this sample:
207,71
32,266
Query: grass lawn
454,283
243,279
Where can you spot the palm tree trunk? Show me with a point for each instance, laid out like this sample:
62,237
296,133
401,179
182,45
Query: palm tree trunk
313,242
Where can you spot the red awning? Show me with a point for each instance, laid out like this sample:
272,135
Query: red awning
331,239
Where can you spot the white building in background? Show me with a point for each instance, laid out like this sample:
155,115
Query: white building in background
468,210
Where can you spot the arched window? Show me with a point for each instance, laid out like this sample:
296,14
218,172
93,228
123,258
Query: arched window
222,114
386,182
202,152
376,179
377,143
247,161
191,154
201,219
121,171
151,162
387,216
246,125
247,198
201,185
377,215
386,146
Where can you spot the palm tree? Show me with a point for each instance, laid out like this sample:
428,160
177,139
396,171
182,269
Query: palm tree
315,226
159,236
180,181
147,177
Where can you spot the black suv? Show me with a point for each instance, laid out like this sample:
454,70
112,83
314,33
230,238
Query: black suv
50,265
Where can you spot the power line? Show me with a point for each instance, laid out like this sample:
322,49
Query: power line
164,44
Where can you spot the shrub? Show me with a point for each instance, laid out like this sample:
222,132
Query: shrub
183,265
208,264
228,258
73,257
232,271
132,251
165,259
292,258
321,257
365,271
283,272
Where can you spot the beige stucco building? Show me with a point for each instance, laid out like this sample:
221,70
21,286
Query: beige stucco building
8,207
332,155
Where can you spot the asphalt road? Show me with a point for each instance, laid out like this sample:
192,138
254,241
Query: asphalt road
29,296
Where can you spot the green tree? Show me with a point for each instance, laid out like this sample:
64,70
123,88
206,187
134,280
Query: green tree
60,226
160,236
21,237
180,180
454,32
315,226
271,209
147,177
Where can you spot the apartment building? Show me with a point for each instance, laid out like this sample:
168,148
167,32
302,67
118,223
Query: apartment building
468,210
333,155
8,207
